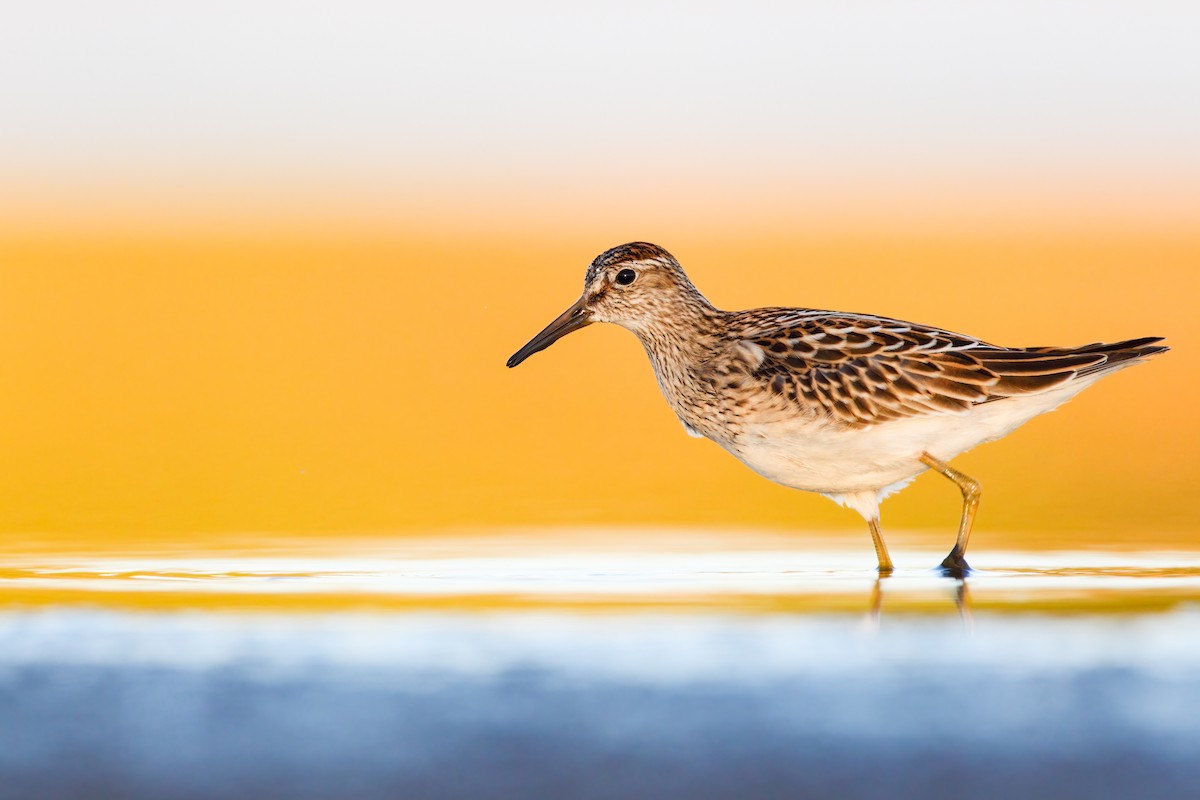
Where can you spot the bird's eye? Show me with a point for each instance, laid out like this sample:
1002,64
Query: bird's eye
626,276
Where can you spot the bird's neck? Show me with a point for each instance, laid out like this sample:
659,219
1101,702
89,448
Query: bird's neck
680,345
681,331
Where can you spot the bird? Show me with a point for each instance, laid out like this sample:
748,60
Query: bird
850,406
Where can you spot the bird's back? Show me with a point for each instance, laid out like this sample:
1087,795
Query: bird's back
860,370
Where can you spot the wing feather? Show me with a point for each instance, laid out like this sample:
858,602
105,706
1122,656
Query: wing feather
862,370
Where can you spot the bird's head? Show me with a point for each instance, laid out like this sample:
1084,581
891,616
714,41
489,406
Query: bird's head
637,286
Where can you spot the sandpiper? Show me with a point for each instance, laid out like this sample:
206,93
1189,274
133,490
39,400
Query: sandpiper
852,406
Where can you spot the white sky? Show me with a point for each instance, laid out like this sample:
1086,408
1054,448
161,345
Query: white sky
363,87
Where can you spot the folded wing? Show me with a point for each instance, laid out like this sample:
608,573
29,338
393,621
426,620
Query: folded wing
865,370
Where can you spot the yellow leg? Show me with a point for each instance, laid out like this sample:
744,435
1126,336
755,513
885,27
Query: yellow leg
881,553
957,560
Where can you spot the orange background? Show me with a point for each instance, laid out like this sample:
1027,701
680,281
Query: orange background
261,264
175,370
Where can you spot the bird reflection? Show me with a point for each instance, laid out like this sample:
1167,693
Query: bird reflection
961,596
962,601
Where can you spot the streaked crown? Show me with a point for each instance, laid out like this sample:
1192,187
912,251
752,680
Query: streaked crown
631,253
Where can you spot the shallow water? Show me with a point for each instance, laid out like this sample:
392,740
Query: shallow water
582,570
596,664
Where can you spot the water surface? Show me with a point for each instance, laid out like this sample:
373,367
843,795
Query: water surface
596,664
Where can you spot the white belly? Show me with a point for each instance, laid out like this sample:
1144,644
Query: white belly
819,457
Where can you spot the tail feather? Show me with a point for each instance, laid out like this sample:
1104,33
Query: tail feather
1031,370
1123,354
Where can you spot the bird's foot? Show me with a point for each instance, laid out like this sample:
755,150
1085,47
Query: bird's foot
955,566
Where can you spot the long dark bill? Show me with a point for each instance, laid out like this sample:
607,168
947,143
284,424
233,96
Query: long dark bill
574,318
